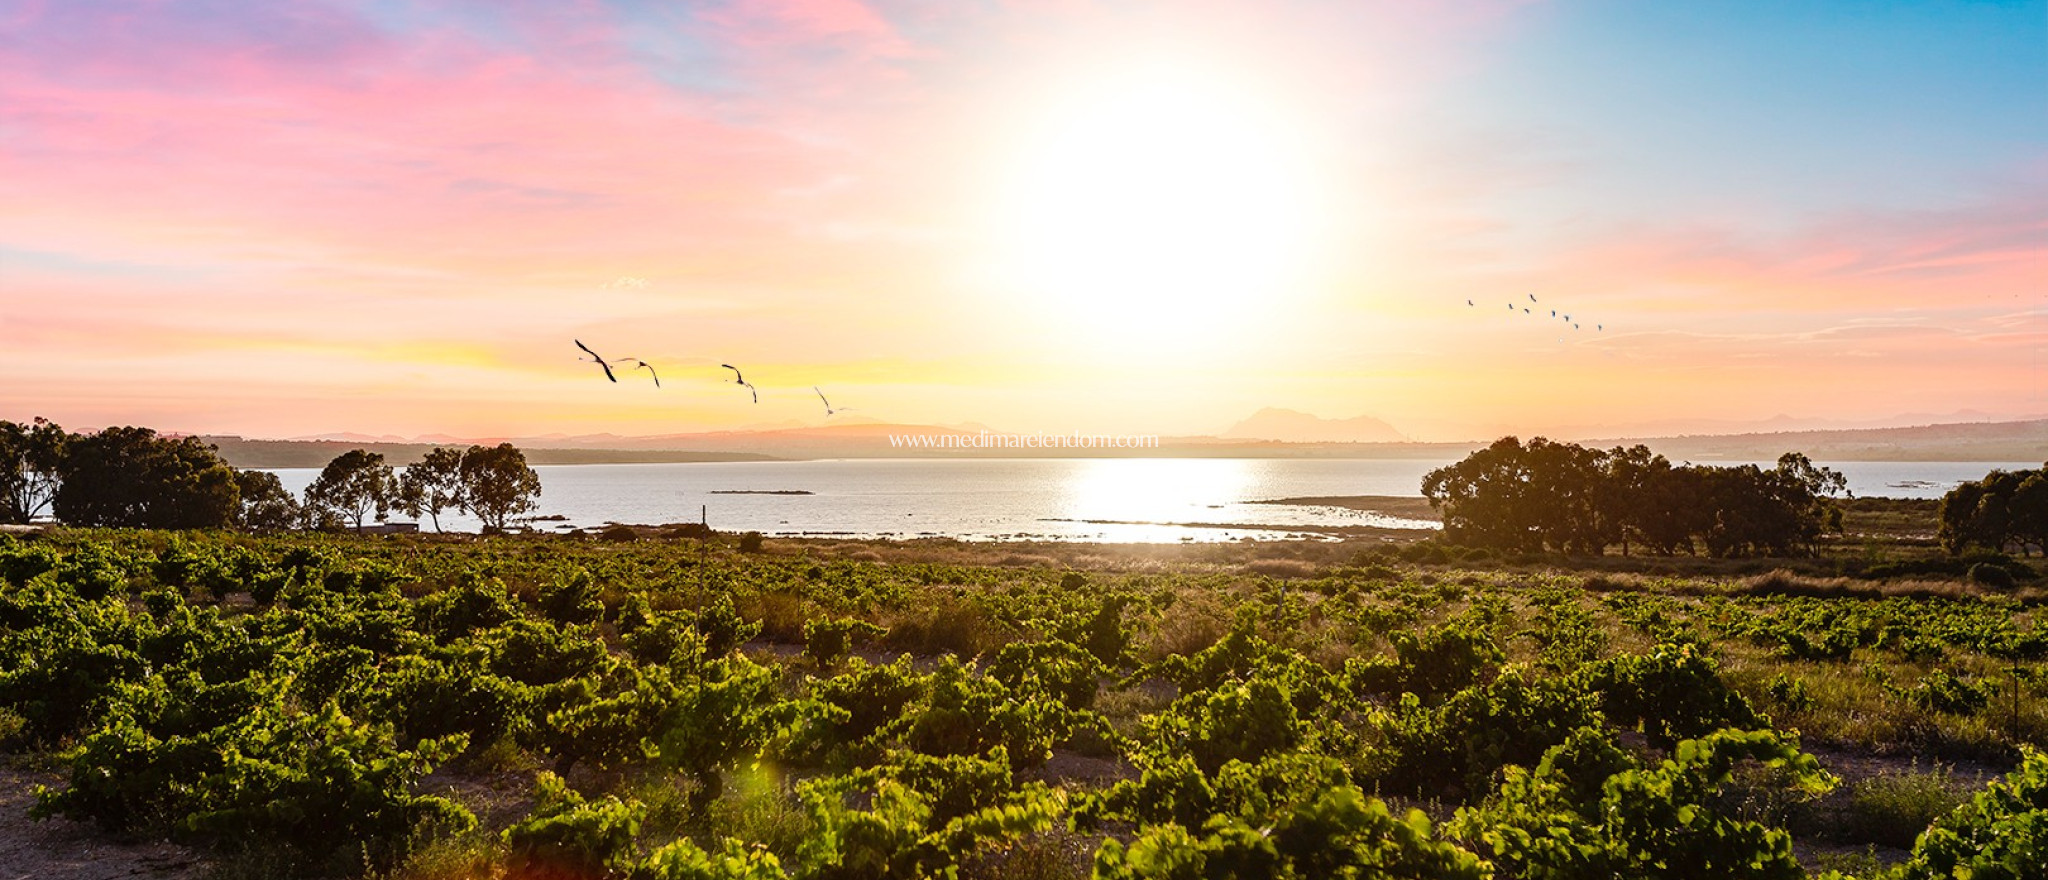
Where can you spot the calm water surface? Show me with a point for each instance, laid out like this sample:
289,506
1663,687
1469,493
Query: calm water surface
1122,500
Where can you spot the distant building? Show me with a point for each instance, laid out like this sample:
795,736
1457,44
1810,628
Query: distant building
396,528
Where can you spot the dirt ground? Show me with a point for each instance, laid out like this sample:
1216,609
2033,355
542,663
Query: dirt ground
60,849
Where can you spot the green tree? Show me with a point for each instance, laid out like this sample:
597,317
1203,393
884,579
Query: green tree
354,486
31,457
2004,510
265,505
132,478
497,484
433,485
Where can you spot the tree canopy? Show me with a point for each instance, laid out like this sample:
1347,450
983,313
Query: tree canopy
133,478
1568,498
353,487
30,456
498,484
2007,510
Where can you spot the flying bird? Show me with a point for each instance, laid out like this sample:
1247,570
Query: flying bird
1468,302
643,365
1532,297
739,378
828,404
600,361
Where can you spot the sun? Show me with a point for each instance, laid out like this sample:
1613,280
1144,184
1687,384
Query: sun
1162,198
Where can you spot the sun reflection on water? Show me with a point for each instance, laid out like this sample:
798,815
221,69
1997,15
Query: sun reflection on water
1136,494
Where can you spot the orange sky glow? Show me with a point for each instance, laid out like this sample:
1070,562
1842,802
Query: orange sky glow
393,217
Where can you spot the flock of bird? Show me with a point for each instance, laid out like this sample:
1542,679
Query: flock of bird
738,378
1597,328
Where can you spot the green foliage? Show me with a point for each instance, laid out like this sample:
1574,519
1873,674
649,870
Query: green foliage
1339,834
31,467
354,487
1674,692
1432,665
826,639
919,816
264,504
497,484
132,478
1570,499
433,484
1057,670
2007,510
203,718
567,835
1591,811
1240,722
2001,834
317,783
685,860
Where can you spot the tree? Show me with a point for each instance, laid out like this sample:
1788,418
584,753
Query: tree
30,458
433,485
1570,499
355,485
498,485
132,478
2005,509
265,505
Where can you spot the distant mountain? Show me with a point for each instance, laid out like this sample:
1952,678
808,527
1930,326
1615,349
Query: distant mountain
2022,441
1291,426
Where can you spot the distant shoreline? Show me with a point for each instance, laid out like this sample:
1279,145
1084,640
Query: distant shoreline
1396,506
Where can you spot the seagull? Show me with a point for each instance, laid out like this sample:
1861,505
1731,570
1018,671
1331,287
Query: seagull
1553,313
740,379
1532,297
643,365
1468,302
828,404
1600,328
1525,311
600,361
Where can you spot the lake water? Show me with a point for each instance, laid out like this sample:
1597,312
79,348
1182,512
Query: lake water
1119,500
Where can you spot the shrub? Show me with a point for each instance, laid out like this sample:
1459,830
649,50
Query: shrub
2001,833
1994,576
826,639
567,835
750,542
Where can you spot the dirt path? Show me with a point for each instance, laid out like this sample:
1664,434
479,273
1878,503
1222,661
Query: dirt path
60,849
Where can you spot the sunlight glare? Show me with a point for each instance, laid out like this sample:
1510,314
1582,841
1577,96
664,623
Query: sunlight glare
1166,197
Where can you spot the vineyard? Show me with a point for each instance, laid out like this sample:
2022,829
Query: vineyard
326,705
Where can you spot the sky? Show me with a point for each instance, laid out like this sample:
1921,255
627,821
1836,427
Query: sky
396,217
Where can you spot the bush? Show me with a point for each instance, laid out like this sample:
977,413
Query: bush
750,542
2001,833
826,639
567,835
1987,574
